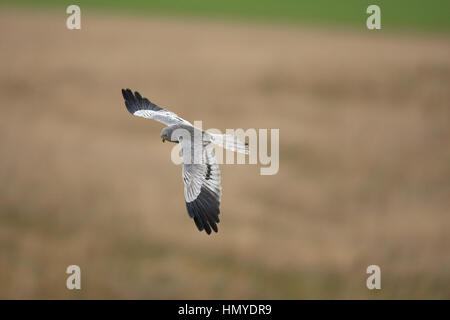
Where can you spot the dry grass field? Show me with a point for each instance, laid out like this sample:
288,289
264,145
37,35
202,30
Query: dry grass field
364,177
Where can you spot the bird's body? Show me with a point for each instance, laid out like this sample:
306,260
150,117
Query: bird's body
201,173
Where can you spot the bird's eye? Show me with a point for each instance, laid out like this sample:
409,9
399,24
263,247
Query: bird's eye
165,135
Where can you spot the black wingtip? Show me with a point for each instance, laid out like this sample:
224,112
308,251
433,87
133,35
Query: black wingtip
126,93
205,211
135,102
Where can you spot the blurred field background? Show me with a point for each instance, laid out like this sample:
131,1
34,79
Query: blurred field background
364,149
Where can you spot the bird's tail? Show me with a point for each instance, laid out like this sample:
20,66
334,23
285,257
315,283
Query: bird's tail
230,142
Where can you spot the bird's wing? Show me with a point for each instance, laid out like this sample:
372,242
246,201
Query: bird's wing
202,189
142,107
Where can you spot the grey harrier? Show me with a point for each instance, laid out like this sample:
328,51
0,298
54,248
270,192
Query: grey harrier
201,174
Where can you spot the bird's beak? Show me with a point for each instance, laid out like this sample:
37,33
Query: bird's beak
163,140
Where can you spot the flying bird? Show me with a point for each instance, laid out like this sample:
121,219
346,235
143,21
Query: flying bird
201,174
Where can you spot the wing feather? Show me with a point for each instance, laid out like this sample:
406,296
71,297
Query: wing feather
202,191
142,107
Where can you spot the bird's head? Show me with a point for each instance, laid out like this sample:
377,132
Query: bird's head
166,134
